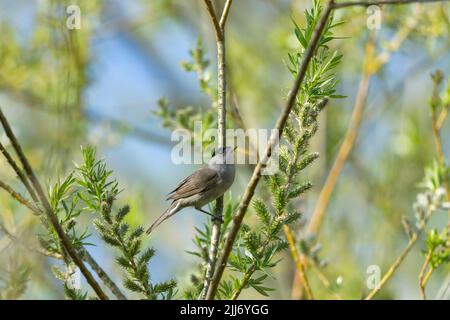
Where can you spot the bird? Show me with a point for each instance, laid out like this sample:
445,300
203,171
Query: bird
203,186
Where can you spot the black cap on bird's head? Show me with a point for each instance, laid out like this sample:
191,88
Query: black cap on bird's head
222,150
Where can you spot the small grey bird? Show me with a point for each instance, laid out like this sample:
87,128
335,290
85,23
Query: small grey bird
203,186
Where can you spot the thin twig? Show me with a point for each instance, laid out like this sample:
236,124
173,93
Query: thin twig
244,282
388,275
251,187
102,274
19,172
221,120
440,120
396,264
422,282
298,262
17,196
85,254
213,17
223,18
248,274
49,211
325,281
427,277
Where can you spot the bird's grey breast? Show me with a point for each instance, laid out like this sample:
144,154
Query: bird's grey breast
225,178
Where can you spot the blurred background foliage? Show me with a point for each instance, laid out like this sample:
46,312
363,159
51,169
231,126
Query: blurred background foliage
101,85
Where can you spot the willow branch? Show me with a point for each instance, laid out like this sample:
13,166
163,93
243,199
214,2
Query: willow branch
440,120
395,265
251,187
226,10
298,262
49,211
85,254
422,276
102,274
248,273
213,16
221,120
17,196
19,172
398,261
244,282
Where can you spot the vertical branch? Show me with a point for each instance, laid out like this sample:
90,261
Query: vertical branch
219,28
251,187
49,211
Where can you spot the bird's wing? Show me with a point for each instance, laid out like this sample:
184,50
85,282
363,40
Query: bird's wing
197,182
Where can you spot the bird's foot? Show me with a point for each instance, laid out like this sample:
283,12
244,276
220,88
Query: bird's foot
213,217
217,219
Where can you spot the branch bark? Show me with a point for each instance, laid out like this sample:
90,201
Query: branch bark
219,28
17,196
102,274
423,279
19,172
251,187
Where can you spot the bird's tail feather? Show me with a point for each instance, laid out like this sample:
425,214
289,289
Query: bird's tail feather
170,211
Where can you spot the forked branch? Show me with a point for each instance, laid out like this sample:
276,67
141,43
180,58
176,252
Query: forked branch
50,214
